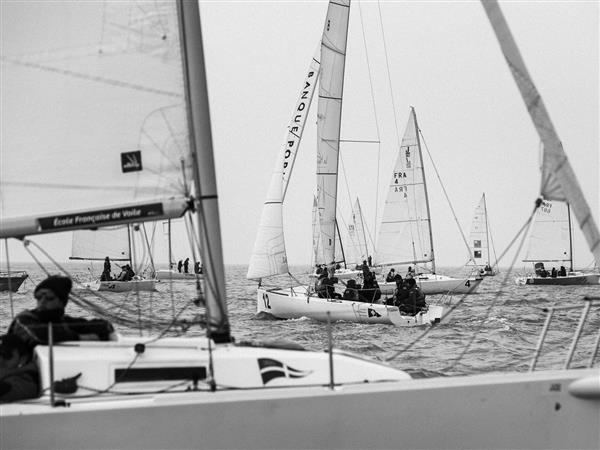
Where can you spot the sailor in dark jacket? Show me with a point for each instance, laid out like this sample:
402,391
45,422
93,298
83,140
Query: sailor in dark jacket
52,296
19,375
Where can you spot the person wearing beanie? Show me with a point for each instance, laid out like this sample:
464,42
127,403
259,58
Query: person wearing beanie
52,296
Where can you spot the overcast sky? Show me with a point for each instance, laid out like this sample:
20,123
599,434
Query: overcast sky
443,60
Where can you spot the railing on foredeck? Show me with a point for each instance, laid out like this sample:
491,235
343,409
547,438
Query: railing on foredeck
589,302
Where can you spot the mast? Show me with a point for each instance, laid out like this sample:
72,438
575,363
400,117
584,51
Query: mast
487,231
412,109
337,227
206,201
570,239
169,240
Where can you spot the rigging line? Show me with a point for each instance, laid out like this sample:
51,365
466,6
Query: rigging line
389,76
504,283
462,299
377,181
10,292
447,197
97,79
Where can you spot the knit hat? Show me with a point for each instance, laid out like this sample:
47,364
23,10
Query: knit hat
58,284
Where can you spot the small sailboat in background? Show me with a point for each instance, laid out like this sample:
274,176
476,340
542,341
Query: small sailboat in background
179,269
406,236
118,245
480,242
12,280
551,241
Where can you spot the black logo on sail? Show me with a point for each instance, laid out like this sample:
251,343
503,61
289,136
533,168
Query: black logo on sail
271,368
131,161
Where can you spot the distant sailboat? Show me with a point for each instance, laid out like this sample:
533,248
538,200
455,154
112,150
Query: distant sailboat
116,244
480,244
405,236
551,242
12,281
185,231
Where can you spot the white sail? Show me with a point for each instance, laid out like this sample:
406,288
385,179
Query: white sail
479,241
405,234
317,245
269,256
109,162
549,237
558,179
357,247
117,128
331,84
296,127
98,244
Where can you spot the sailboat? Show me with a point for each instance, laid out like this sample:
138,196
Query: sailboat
405,236
479,241
114,243
177,268
551,241
269,257
540,409
12,281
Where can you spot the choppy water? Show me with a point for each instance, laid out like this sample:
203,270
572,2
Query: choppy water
478,337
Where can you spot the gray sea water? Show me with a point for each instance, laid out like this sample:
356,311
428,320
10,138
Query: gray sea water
495,329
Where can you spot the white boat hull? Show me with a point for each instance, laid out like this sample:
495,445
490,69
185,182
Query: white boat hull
438,284
174,275
123,286
293,303
539,410
574,278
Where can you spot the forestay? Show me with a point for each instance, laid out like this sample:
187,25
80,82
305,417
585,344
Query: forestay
331,85
404,235
120,151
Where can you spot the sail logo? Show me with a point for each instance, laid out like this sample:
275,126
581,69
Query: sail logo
271,369
131,161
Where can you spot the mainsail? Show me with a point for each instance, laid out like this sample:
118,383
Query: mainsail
95,245
405,232
550,234
558,179
331,86
357,249
119,106
479,241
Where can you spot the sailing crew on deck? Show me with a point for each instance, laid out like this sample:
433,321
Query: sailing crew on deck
106,276
179,265
52,295
186,265
390,276
19,374
562,272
